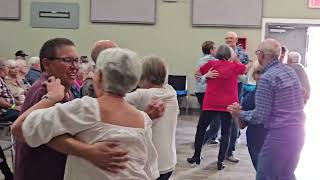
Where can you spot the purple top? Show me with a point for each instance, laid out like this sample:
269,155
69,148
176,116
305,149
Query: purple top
40,163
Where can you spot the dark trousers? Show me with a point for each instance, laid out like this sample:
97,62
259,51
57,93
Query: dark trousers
10,115
212,132
165,176
4,166
256,134
205,118
233,137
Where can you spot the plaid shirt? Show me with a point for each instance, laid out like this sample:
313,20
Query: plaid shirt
242,54
6,95
279,98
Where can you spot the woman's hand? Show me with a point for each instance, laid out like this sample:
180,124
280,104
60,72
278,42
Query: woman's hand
56,91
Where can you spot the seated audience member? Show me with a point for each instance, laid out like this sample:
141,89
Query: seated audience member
22,72
255,133
92,120
220,92
153,86
20,55
85,69
9,109
59,59
35,70
8,112
294,61
84,59
14,83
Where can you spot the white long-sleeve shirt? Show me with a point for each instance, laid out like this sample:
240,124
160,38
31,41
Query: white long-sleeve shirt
163,128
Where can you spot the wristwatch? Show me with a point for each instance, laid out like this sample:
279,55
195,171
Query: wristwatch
48,98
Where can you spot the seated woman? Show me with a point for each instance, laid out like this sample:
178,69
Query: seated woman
153,86
220,92
106,118
14,83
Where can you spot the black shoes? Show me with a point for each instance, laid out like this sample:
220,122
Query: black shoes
220,165
194,160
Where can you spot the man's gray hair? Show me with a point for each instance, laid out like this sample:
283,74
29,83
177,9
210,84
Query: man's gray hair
224,52
295,57
271,48
33,60
121,70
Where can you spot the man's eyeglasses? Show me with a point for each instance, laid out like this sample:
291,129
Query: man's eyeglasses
258,72
68,60
257,52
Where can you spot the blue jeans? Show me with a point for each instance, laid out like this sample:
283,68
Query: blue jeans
256,134
280,153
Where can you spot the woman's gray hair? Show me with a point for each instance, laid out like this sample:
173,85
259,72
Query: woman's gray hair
121,70
11,63
295,57
154,70
224,52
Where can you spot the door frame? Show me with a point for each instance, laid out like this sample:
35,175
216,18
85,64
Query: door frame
285,21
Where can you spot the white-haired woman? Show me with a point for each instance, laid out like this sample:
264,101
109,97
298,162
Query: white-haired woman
153,86
14,83
294,61
91,120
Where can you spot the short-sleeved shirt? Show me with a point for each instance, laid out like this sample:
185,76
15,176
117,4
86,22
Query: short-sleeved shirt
6,95
40,163
81,118
223,90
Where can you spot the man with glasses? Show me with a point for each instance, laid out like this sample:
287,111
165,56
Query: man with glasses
279,104
59,58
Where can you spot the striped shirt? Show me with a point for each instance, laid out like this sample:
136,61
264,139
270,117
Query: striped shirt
6,95
279,98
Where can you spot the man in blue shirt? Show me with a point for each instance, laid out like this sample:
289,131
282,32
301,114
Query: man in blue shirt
279,107
35,70
231,39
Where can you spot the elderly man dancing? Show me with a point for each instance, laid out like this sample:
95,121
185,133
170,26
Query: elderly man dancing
279,107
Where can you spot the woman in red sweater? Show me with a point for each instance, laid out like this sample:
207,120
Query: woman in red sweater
221,92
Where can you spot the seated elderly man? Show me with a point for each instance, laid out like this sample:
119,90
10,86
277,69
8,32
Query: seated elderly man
21,55
294,61
34,71
9,109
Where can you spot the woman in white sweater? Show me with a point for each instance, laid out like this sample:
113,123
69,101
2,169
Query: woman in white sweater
153,86
91,120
